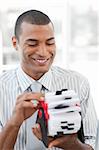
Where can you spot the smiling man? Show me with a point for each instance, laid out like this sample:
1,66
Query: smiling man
35,42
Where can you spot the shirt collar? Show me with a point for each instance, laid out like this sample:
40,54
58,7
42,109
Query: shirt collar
25,81
46,80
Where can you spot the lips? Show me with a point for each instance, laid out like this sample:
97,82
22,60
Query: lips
40,61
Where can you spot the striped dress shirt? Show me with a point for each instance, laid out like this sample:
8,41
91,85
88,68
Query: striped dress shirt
15,82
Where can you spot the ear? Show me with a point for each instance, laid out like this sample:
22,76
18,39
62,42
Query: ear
14,42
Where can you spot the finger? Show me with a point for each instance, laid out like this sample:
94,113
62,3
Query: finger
28,96
25,104
37,131
30,103
50,139
56,143
59,142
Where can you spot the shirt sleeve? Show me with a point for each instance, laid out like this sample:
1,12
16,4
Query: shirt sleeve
1,126
89,116
1,107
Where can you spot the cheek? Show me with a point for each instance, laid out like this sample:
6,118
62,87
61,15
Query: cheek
23,55
52,50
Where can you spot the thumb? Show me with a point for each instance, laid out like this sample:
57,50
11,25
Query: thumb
37,131
56,143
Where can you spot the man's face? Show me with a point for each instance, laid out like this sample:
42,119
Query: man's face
36,47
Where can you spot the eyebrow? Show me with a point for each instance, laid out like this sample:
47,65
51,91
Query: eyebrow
31,40
34,40
52,38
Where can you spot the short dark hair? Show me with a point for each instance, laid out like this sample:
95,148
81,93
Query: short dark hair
33,17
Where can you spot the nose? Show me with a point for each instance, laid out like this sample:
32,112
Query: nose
42,50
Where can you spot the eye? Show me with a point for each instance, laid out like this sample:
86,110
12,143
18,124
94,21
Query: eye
31,42
51,42
32,45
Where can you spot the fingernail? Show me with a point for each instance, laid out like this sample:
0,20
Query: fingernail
49,146
35,103
36,126
41,98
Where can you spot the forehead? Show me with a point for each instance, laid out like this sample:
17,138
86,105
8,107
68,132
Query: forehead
36,31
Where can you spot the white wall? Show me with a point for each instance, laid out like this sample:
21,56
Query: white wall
77,48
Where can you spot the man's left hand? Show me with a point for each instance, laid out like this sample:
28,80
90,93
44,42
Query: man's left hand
66,142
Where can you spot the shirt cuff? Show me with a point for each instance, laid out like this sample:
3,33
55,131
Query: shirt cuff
1,126
90,142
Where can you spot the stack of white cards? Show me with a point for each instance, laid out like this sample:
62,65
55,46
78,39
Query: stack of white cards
64,112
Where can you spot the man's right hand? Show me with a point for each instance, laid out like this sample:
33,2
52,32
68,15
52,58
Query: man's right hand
24,107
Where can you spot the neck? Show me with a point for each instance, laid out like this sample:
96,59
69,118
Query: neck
35,76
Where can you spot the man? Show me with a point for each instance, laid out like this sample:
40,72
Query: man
35,42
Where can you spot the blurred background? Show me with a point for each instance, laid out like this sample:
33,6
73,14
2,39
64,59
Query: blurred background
77,35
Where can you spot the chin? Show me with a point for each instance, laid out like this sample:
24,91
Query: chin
43,69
